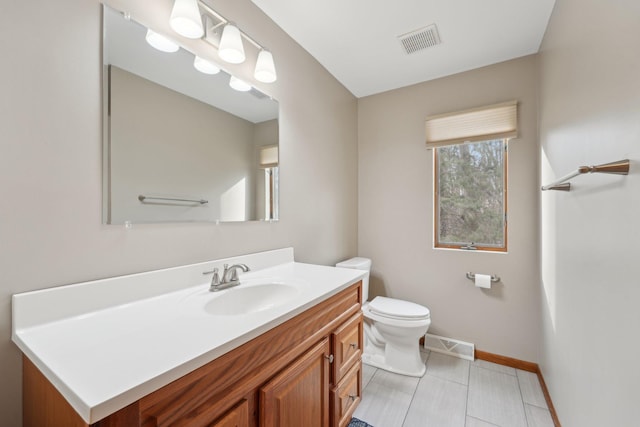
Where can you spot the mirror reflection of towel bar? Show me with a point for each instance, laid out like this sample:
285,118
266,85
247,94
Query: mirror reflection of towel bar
170,199
472,276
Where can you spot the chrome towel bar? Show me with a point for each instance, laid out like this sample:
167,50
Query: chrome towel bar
472,276
621,167
143,199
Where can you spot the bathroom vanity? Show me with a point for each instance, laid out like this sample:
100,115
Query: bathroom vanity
294,360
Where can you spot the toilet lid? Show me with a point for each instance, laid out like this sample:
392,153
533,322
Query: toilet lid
398,309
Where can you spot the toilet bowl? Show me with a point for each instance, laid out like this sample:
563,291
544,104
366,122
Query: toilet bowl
392,328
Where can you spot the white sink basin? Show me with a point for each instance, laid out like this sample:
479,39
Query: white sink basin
251,299
253,295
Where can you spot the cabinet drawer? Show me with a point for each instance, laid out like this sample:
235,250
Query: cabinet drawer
236,417
346,396
347,346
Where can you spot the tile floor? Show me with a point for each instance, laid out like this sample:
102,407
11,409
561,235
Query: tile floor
453,393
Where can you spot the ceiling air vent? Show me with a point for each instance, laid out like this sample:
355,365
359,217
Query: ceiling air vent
420,39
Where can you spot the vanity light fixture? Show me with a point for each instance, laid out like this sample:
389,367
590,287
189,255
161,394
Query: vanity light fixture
231,48
239,85
205,66
186,19
265,69
161,42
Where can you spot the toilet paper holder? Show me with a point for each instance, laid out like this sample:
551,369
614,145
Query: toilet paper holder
472,276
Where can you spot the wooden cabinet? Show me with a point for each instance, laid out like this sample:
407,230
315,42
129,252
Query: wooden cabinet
283,377
300,394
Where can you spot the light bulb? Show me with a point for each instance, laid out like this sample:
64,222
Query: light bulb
186,20
231,48
204,66
239,85
160,42
265,69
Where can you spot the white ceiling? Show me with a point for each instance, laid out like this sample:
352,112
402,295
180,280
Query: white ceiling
356,40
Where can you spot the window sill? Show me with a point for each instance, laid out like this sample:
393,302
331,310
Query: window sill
484,251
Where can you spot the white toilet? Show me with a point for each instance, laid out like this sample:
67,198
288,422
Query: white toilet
392,328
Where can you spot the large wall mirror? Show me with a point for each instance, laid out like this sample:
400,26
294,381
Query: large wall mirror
181,145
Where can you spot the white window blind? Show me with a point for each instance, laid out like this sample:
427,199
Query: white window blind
269,156
498,121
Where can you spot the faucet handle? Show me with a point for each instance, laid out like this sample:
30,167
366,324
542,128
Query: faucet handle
215,280
234,275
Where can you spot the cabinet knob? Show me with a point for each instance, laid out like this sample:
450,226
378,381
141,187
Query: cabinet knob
352,397
354,345
330,358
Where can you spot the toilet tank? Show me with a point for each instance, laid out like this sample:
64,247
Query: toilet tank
359,263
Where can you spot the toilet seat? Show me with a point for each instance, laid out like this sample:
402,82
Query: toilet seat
398,309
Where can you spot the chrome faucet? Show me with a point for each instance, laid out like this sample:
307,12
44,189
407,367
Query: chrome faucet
229,277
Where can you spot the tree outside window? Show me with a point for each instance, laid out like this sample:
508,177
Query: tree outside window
470,195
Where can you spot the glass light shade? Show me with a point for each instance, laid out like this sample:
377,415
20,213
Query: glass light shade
204,66
186,20
160,42
265,69
239,85
231,48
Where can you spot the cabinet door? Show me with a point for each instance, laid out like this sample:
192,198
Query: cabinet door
299,395
347,346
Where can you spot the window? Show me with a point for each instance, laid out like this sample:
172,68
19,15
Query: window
470,182
470,195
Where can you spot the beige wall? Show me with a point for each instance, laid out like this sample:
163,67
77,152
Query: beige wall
590,114
50,167
395,220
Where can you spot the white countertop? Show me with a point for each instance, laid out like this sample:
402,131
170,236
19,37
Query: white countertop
106,359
